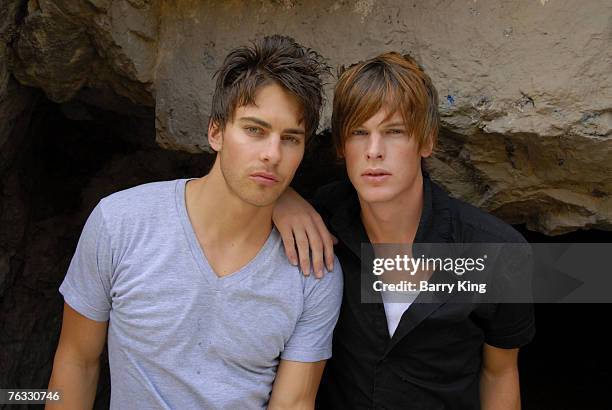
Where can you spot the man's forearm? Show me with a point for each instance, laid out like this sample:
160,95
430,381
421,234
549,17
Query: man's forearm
296,384
500,391
77,382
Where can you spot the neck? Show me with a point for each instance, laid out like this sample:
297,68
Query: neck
397,220
221,216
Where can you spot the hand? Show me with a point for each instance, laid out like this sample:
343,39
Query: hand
301,227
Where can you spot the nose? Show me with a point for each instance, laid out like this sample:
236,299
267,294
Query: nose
271,152
375,148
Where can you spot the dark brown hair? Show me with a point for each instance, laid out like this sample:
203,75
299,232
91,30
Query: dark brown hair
272,59
391,80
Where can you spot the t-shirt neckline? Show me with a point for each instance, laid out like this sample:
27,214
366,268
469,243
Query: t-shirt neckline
260,259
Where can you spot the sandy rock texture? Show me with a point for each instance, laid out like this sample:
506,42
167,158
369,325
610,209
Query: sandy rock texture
525,87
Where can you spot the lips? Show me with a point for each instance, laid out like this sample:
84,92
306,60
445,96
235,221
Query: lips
376,175
264,178
376,172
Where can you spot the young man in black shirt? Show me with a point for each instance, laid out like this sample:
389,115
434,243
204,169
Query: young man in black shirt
421,355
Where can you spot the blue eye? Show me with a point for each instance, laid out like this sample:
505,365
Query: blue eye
395,131
359,132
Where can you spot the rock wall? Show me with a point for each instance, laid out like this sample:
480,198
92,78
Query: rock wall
525,86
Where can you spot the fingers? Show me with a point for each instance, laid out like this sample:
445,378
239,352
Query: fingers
316,249
307,241
327,242
301,242
310,245
289,244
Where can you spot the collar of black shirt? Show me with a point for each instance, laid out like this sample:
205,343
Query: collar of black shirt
435,225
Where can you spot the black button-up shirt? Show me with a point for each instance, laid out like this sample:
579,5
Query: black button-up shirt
434,358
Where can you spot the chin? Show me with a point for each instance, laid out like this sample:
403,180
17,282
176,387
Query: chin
261,199
373,195
260,202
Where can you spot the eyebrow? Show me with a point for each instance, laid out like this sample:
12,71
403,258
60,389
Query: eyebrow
297,131
394,124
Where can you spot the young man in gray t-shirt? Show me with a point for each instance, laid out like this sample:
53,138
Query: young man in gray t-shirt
189,277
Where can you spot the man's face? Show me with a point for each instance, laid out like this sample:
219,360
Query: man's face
383,160
261,148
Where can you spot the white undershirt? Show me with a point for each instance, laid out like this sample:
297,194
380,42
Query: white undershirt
396,303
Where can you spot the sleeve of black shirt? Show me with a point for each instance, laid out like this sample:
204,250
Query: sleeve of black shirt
512,325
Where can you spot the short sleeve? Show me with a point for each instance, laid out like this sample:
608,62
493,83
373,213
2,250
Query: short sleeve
86,287
512,325
311,340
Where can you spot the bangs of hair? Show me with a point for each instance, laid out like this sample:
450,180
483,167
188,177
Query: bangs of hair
273,59
390,81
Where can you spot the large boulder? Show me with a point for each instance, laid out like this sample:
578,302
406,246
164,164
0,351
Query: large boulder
525,88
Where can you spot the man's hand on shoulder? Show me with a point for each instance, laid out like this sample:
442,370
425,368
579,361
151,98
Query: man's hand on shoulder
301,227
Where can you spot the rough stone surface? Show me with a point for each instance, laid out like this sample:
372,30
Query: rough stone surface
14,121
525,87
64,46
13,98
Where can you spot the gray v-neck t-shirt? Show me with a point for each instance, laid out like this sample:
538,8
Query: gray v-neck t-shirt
179,336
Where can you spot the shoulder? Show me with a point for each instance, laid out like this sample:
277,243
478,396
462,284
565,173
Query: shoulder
138,200
327,289
285,271
131,212
333,195
472,224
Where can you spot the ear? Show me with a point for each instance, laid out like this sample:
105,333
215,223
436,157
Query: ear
215,136
427,148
